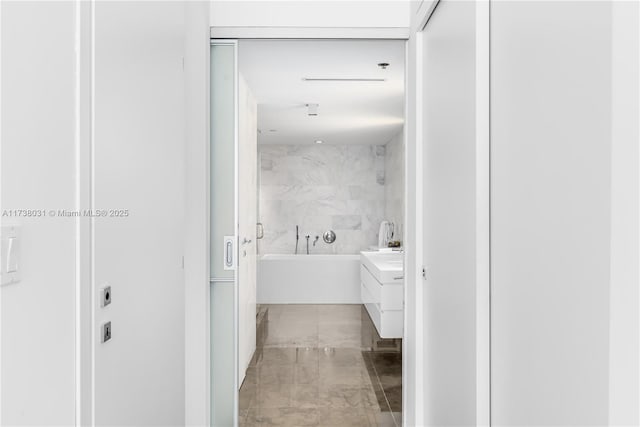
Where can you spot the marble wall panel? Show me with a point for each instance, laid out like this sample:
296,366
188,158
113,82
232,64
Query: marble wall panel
348,189
394,183
318,188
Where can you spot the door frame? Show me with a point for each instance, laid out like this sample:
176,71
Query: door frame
197,309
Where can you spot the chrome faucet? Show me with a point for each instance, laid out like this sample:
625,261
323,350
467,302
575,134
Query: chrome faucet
316,240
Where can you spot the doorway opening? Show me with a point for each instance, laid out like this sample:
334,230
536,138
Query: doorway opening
308,264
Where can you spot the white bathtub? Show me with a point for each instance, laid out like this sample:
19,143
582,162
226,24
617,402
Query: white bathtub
308,279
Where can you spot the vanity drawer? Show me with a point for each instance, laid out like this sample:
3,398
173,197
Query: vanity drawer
388,323
373,286
372,308
366,296
391,324
388,296
392,297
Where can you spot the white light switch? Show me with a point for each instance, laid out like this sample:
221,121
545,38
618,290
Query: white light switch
10,256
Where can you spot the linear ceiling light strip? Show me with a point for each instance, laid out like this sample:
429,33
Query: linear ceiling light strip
342,80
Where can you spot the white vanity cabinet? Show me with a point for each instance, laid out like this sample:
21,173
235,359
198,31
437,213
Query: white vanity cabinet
382,291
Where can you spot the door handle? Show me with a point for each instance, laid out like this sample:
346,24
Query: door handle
229,258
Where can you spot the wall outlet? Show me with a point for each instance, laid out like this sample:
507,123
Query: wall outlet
106,331
106,296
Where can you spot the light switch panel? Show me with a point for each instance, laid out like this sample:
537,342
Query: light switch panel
13,251
10,254
106,331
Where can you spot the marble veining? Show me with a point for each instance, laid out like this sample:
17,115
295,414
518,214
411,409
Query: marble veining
347,222
321,187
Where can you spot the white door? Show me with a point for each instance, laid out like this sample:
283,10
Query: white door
138,178
247,218
224,234
451,230
233,212
551,206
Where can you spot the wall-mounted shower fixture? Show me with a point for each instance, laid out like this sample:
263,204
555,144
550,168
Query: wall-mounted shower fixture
329,236
315,240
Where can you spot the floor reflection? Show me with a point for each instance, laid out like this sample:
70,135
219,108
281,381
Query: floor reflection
321,365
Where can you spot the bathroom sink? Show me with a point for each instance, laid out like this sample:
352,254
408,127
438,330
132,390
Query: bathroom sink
386,267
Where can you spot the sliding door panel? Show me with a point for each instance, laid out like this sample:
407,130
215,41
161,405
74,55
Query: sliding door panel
449,143
224,388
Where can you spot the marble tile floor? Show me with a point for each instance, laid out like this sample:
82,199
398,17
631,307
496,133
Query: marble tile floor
321,365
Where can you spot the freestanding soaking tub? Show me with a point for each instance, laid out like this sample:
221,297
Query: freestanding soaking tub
308,279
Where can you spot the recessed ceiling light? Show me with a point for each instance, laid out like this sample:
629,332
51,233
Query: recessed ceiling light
319,141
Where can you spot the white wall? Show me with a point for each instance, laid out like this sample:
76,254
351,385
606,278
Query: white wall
196,262
559,205
318,13
37,315
139,166
624,375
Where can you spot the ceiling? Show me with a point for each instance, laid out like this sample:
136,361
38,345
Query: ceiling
348,113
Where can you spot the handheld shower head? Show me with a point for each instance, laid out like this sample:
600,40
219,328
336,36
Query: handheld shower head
297,238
